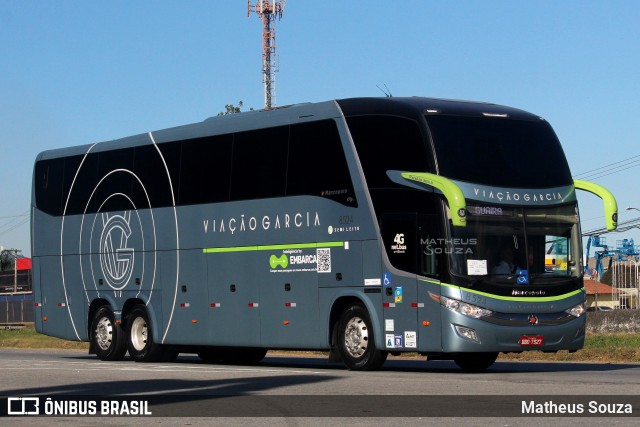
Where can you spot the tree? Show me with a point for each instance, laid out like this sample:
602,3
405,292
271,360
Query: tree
6,261
231,109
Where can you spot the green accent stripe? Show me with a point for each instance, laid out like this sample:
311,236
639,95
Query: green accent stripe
520,299
271,247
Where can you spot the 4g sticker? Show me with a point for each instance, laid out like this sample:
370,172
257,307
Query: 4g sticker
399,246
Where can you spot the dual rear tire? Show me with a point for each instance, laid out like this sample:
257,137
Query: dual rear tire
111,342
107,337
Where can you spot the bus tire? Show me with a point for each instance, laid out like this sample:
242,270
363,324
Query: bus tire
354,340
475,362
140,342
107,337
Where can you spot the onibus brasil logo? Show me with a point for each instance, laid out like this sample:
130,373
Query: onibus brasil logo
116,258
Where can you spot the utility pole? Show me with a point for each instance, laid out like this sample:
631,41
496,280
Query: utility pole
268,11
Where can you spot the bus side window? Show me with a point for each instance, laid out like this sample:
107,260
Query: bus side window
317,164
114,172
259,164
388,143
85,176
49,192
205,170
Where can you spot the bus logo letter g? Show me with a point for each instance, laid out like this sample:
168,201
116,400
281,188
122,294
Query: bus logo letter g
116,259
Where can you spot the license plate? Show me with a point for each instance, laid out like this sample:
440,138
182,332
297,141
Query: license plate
531,340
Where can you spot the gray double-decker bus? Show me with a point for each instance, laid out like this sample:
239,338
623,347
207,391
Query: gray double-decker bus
361,226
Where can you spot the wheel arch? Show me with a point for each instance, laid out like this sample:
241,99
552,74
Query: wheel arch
342,302
128,306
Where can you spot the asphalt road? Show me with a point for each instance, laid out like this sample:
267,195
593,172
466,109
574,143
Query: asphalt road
309,391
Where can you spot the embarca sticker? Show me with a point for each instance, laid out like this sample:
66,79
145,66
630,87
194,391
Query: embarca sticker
298,260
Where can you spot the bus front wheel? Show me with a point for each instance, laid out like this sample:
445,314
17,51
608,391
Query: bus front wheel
354,340
107,337
140,341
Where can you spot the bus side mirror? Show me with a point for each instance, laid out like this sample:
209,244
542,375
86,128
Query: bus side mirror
428,181
610,204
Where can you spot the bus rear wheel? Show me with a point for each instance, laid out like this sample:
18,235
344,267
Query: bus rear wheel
354,340
107,337
475,361
140,341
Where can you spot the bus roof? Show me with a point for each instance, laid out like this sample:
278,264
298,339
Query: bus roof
296,113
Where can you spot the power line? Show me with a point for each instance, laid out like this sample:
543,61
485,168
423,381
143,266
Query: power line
610,168
623,226
611,171
15,216
14,221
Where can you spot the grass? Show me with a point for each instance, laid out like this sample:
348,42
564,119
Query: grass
599,347
29,338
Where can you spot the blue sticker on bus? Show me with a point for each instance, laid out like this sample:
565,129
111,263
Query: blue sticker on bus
523,277
397,293
397,340
386,279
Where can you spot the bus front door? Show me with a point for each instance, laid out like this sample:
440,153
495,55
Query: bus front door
400,296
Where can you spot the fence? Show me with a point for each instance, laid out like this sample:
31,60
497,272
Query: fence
16,308
626,283
10,282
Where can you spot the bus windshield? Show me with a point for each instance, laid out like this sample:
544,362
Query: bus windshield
520,245
485,151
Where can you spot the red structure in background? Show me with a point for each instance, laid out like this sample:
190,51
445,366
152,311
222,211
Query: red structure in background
18,280
23,264
16,295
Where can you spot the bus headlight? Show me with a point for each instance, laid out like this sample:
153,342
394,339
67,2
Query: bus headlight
577,310
468,310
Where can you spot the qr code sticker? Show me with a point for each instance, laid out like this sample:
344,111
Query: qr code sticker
324,260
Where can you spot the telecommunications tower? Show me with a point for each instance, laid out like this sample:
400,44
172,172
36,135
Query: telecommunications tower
268,12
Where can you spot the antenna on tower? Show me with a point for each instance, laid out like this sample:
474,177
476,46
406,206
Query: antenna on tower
268,11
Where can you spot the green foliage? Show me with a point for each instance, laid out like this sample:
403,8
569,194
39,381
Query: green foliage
609,341
231,109
6,261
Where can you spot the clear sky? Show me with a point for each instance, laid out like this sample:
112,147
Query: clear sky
76,72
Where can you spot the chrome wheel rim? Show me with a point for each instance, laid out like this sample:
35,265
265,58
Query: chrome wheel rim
356,337
104,333
139,333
